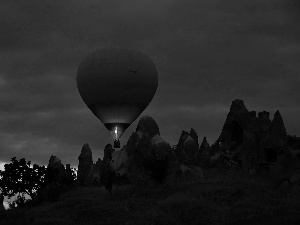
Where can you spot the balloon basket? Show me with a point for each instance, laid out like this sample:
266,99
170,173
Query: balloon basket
116,143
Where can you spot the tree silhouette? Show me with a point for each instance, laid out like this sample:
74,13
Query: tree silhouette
19,178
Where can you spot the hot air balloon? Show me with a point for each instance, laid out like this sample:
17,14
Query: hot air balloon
117,84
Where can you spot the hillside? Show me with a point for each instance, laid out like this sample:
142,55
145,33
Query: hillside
224,197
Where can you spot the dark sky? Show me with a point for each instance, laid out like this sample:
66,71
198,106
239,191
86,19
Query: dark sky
207,52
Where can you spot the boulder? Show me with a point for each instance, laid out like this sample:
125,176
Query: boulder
216,158
85,162
189,171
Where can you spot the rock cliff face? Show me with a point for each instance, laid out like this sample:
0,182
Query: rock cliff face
293,142
147,154
278,135
249,139
93,176
187,148
147,126
55,172
85,162
108,151
204,147
203,155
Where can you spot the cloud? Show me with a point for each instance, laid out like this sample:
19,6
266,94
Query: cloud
209,109
208,53
2,165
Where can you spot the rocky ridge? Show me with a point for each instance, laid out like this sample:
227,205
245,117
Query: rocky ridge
249,141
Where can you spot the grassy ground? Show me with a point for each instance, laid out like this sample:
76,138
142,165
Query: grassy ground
223,198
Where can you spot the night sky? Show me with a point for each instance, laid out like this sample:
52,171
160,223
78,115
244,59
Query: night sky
207,53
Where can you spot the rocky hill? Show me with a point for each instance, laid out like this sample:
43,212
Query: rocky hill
248,141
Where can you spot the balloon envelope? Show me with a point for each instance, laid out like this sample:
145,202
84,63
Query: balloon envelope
117,84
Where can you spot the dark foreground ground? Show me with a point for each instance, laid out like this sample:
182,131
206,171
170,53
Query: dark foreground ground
223,198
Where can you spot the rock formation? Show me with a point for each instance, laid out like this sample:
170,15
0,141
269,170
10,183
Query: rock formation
85,162
203,155
187,148
55,172
190,171
292,168
285,170
204,147
293,142
147,126
146,154
249,140
94,173
278,135
108,150
55,180
194,136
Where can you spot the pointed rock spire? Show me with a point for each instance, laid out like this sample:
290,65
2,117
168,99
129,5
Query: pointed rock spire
204,145
194,136
85,162
278,135
278,124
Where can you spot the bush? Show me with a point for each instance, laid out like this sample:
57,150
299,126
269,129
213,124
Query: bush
19,178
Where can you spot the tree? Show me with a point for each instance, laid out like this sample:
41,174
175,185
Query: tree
19,178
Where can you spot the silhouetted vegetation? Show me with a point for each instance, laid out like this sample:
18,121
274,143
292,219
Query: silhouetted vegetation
19,178
225,197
